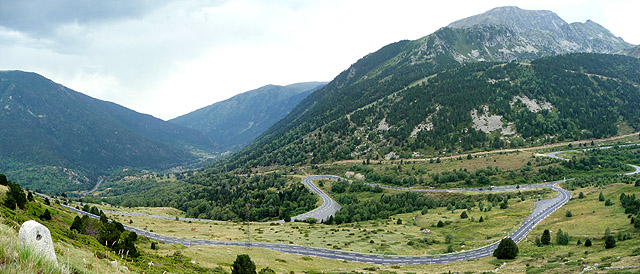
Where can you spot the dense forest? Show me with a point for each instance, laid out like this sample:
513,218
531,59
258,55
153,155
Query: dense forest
552,99
218,196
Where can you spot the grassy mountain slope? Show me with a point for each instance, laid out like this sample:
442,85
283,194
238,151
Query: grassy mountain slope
402,65
46,124
237,121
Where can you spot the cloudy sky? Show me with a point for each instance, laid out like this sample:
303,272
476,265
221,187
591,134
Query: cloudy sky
167,58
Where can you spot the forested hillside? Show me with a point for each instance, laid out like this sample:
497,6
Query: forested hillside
474,107
215,196
235,122
323,126
73,138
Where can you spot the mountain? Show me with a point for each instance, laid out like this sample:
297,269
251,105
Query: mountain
537,33
321,127
48,125
237,121
633,52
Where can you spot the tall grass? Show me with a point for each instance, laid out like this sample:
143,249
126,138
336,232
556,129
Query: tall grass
16,259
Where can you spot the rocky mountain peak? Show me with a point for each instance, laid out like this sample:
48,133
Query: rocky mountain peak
516,18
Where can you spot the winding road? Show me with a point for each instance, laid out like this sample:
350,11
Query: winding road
555,156
542,209
329,207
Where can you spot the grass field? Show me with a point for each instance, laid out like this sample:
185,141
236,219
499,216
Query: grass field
378,236
532,259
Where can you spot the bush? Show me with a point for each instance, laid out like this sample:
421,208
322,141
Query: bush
507,249
608,202
562,238
504,205
440,224
46,215
266,270
448,239
609,242
587,242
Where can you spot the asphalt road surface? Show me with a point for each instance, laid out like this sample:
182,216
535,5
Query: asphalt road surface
555,156
550,205
328,208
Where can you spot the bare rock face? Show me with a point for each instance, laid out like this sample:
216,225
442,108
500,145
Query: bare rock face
37,236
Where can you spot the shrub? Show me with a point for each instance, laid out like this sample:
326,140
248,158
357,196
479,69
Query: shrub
440,224
464,215
507,249
504,205
562,238
268,270
587,242
609,242
581,195
46,215
569,214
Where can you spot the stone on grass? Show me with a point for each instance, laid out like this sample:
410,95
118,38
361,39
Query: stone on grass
37,236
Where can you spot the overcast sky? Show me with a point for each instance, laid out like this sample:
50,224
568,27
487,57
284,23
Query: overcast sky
167,58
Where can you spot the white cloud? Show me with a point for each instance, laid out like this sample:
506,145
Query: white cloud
176,57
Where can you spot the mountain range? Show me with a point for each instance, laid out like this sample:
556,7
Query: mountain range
235,122
50,129
354,114
505,78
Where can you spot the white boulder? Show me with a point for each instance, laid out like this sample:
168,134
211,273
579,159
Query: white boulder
37,236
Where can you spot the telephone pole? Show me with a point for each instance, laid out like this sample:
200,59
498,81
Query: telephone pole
248,227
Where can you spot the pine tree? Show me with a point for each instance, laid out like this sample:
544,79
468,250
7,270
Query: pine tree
77,224
15,196
507,249
464,215
243,265
601,197
481,220
546,237
3,180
